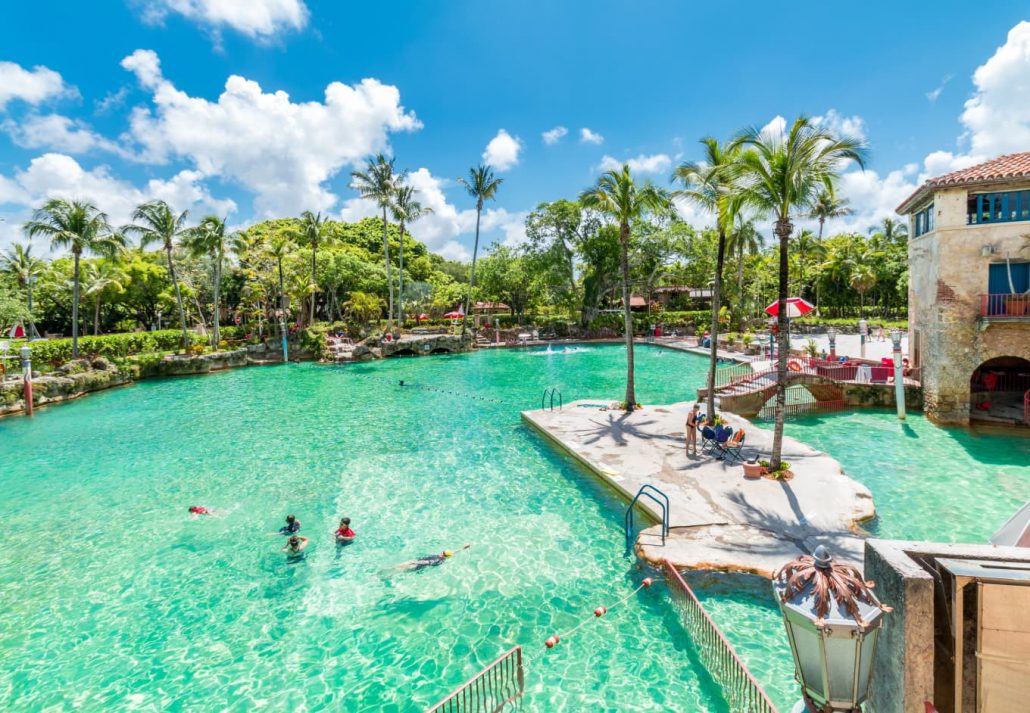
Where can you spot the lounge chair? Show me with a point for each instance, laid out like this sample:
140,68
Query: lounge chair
722,437
707,439
733,448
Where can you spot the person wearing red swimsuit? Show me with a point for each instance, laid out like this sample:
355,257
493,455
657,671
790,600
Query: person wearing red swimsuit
343,533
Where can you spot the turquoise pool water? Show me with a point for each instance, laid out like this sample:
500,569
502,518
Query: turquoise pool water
112,598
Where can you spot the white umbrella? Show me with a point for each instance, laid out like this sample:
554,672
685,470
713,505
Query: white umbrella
1015,532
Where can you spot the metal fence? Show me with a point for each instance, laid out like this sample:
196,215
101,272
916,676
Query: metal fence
739,687
494,689
729,374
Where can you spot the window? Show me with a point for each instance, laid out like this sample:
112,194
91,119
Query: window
924,220
1005,207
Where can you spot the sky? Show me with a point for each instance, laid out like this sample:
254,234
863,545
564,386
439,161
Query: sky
251,109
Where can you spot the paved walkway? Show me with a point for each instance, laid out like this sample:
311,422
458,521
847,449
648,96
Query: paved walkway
850,344
719,520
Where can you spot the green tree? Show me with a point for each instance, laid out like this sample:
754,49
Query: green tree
82,228
482,185
828,205
405,209
709,185
156,222
363,307
312,235
780,174
554,232
19,264
209,239
618,197
744,240
102,278
378,182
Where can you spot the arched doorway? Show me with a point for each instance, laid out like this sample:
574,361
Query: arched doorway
998,390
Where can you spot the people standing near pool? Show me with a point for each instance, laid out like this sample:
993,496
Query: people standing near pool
345,535
692,426
417,565
295,546
291,527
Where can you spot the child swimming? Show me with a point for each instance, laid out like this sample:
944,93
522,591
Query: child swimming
345,535
295,547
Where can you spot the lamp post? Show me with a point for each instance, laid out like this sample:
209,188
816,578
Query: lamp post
833,621
26,369
863,327
899,376
832,334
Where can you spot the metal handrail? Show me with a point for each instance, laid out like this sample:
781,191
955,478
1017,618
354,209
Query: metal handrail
741,690
497,685
646,490
1026,406
551,391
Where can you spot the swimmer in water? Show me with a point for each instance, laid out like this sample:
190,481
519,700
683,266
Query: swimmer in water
292,526
417,565
295,547
200,510
345,535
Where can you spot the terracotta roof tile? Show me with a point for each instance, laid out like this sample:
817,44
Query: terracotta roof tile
1013,165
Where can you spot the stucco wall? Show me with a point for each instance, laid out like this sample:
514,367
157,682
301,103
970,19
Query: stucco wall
947,274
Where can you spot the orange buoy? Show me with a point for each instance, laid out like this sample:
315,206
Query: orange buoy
551,641
600,611
647,582
794,365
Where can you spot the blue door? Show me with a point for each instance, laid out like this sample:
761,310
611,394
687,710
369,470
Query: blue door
998,283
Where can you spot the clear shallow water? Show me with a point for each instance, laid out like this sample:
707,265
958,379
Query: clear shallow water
111,597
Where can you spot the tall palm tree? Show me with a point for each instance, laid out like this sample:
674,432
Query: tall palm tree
209,239
709,186
405,209
862,279
744,240
156,222
807,249
890,231
278,247
618,197
100,277
780,174
82,228
312,234
20,265
378,182
827,205
482,185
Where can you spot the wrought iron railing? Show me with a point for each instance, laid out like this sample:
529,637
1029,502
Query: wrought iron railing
739,687
1008,306
730,374
492,690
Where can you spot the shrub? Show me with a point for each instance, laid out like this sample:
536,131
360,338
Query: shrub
112,346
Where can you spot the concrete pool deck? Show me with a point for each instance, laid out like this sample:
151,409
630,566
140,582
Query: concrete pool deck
718,519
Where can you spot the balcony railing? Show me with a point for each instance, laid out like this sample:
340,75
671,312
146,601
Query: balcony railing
1005,306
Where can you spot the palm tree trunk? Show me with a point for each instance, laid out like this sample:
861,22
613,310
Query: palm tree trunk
400,278
631,395
75,310
713,359
472,275
314,251
178,297
783,230
96,318
740,273
217,316
282,291
821,222
389,273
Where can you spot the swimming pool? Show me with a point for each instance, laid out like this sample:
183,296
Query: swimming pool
111,597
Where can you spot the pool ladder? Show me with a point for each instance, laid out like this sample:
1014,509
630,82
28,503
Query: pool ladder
547,400
659,498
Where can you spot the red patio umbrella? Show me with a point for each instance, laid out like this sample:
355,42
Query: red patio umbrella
454,315
796,307
422,317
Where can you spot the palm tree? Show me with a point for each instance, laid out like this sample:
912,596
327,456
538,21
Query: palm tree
312,235
744,240
378,182
209,239
780,174
20,265
156,222
806,247
826,206
405,209
862,279
709,186
482,185
99,278
616,196
278,247
80,226
890,230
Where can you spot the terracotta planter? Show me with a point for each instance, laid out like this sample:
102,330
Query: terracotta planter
754,470
1016,306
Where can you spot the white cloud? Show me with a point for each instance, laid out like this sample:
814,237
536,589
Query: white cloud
587,136
58,133
852,127
503,151
259,19
997,116
441,229
553,136
283,151
54,175
31,86
655,163
935,93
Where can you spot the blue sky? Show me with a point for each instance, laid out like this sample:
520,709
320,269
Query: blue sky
123,100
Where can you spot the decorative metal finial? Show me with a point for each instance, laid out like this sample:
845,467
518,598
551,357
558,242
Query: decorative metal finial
819,577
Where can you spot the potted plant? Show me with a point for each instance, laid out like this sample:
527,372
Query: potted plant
754,469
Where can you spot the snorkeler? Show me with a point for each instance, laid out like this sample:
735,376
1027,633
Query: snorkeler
345,535
295,547
417,565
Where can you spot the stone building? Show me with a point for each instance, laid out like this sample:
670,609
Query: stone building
969,291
